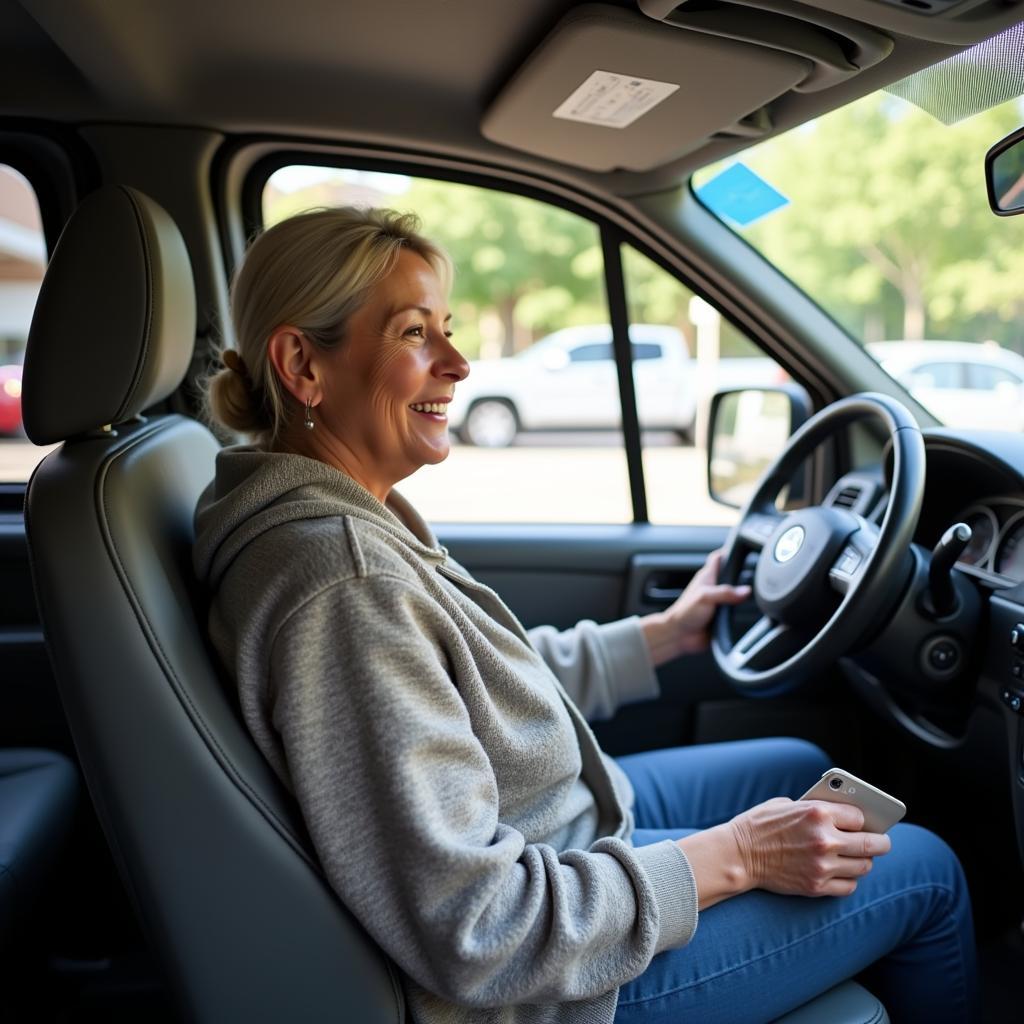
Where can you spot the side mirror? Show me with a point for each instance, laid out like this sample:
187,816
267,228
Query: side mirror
1004,175
747,430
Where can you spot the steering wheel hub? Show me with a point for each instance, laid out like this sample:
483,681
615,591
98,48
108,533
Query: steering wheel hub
791,582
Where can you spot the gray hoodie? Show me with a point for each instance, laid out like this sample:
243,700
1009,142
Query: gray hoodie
457,799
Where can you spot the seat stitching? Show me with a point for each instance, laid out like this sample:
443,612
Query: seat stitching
147,333
164,662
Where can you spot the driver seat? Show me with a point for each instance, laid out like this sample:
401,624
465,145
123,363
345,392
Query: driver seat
210,846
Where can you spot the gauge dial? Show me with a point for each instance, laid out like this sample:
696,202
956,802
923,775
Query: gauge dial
984,527
1010,553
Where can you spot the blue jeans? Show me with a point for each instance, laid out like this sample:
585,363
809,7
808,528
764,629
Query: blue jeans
907,928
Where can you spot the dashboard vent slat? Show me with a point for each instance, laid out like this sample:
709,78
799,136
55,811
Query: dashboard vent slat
848,497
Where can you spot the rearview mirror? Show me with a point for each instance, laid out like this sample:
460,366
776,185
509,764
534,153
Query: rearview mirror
1004,175
747,430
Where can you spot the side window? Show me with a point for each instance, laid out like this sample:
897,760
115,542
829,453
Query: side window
537,424
988,378
22,262
700,352
646,351
941,376
591,353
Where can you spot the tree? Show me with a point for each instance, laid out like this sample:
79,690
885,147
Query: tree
889,227
526,266
537,266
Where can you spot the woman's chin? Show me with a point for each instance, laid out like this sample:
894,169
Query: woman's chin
436,451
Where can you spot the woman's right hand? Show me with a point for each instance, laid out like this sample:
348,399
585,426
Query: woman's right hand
805,847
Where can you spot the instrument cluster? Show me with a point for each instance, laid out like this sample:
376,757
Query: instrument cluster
997,541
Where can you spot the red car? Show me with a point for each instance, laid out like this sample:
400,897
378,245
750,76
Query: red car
10,400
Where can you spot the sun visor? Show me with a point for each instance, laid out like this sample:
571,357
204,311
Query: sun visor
612,90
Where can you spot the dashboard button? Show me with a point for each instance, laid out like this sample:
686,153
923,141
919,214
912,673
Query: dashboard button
943,655
1017,636
1012,699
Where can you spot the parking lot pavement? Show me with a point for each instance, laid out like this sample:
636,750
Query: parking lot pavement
545,483
563,485
18,458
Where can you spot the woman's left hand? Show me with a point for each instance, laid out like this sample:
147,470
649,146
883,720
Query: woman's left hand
683,627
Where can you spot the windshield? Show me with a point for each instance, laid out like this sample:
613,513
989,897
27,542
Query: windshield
879,212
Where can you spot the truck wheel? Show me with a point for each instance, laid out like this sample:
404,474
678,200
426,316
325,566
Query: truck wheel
491,423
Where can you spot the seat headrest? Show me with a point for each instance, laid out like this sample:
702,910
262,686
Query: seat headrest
114,325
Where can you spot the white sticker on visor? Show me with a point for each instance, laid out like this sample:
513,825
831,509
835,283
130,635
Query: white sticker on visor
613,101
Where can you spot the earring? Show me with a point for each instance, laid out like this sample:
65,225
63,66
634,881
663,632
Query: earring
308,421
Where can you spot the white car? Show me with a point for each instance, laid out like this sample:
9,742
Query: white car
964,384
568,380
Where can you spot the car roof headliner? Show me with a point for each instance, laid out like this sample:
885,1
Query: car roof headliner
419,75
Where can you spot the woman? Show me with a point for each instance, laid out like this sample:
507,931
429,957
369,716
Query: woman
440,755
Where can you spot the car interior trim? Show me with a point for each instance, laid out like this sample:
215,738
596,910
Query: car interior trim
618,315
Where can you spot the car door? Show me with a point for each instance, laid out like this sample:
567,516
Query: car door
659,383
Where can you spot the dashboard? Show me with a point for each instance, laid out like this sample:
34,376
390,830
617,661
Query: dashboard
997,536
978,479
972,479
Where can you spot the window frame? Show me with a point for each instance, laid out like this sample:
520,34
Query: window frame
245,181
60,169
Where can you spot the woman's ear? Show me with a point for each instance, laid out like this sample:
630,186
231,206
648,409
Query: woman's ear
291,356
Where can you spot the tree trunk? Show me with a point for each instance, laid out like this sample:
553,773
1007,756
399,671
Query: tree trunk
507,312
913,310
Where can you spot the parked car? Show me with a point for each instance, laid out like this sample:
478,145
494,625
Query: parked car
567,381
965,384
10,400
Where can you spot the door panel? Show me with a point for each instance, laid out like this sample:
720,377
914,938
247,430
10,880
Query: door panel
30,711
558,575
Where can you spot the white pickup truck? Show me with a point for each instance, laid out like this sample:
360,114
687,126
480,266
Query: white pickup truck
567,380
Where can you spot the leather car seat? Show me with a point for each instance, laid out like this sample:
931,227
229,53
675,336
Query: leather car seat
210,846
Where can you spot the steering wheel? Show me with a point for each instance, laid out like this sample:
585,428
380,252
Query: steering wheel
824,576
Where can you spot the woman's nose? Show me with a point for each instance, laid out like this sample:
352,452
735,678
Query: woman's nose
451,363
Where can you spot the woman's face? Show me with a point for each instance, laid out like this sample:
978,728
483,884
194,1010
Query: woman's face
394,363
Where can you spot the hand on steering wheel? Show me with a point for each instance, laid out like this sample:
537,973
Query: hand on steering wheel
824,575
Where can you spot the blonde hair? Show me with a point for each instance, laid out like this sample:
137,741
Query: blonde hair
312,271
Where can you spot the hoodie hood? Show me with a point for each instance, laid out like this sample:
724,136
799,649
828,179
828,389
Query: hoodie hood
254,490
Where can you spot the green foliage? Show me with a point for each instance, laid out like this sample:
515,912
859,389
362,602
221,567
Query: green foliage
888,228
888,225
523,268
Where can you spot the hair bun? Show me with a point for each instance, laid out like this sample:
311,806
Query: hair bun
233,361
231,402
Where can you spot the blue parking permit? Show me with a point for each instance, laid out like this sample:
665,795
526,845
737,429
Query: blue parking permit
740,195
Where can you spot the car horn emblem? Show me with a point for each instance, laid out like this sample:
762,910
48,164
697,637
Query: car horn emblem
789,543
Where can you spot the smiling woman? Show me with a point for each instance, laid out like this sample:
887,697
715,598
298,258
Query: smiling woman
381,394
439,752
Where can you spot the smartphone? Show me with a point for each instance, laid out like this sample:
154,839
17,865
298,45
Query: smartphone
881,811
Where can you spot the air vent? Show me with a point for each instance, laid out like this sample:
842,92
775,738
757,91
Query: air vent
848,497
854,492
